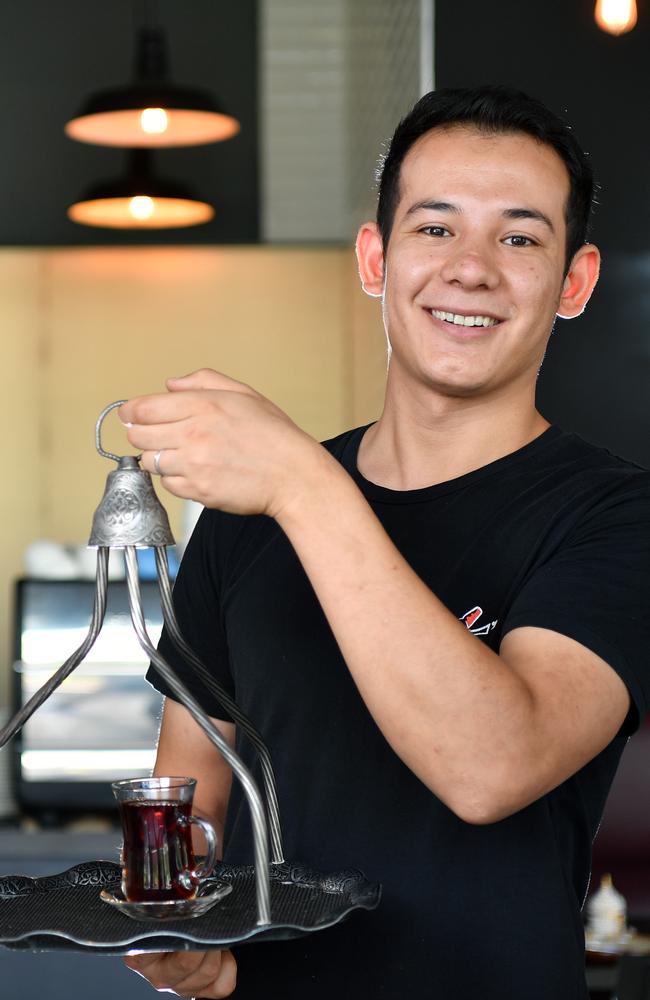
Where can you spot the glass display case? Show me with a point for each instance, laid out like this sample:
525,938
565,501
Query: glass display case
101,724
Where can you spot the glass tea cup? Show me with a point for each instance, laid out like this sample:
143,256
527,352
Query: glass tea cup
158,861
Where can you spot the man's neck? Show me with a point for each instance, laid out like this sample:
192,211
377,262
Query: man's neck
418,443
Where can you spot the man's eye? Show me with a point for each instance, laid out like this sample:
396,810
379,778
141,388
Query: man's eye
435,231
519,241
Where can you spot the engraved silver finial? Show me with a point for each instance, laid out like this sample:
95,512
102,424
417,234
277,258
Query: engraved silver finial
130,512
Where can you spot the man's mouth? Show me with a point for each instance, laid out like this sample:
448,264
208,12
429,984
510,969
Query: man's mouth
458,320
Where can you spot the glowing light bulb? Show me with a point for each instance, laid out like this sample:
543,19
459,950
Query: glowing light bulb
154,121
141,206
616,16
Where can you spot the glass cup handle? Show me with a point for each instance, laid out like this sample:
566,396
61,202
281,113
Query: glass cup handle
208,866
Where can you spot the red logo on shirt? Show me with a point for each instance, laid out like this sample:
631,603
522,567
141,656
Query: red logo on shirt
471,617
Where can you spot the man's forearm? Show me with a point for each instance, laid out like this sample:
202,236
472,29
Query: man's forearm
452,709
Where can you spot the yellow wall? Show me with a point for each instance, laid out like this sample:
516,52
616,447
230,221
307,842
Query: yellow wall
83,327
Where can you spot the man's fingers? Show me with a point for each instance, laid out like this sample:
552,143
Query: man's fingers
215,978
144,965
168,462
160,408
210,974
180,487
208,378
176,405
157,437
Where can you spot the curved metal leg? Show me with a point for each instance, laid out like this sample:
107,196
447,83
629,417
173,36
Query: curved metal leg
229,704
255,803
44,692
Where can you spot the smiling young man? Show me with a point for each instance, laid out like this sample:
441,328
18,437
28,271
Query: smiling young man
438,622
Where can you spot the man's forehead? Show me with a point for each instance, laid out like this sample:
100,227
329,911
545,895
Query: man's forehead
488,158
463,132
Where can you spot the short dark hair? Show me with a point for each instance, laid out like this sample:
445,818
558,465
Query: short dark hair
491,109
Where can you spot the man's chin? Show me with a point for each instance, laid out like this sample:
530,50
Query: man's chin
445,382
463,386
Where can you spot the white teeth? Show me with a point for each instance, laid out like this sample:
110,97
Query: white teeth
459,320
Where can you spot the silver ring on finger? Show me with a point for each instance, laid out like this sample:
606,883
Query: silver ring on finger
156,463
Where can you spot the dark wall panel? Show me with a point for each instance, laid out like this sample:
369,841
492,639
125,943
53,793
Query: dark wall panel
52,55
596,377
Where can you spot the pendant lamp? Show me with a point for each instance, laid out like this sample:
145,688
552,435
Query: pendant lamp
139,199
152,111
616,17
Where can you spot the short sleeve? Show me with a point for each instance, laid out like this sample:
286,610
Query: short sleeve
196,597
596,589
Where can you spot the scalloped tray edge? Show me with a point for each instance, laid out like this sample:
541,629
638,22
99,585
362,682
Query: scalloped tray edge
361,894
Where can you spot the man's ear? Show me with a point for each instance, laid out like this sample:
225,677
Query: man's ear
579,282
370,258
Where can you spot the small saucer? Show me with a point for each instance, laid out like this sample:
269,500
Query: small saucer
169,909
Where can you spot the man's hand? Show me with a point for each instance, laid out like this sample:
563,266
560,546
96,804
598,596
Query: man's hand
220,442
210,974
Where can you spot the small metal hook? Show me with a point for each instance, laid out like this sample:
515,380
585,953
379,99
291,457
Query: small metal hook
98,431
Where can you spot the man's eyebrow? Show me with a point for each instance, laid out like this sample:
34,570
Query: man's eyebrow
434,206
528,213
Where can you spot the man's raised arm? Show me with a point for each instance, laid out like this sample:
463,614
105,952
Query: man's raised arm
487,733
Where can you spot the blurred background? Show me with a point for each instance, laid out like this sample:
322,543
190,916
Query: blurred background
266,290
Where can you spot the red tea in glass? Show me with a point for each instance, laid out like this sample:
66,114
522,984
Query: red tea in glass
157,856
157,852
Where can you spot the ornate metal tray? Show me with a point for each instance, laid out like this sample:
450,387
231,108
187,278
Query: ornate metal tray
64,912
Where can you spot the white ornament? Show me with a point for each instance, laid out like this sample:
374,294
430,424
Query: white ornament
606,912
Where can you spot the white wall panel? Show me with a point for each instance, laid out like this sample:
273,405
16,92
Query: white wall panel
335,79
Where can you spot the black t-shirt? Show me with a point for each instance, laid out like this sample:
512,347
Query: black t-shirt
555,535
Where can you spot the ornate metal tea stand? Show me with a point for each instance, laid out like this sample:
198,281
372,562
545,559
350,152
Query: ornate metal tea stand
130,516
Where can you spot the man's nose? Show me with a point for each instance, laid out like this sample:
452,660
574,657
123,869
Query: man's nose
471,265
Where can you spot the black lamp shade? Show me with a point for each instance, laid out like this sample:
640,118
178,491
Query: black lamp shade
140,199
122,116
